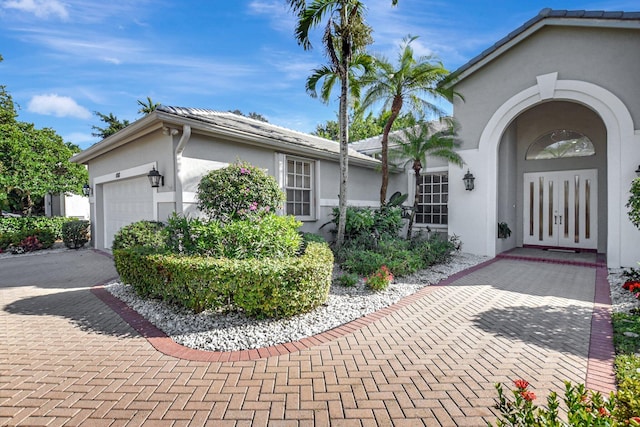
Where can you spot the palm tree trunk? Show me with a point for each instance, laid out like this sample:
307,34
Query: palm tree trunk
343,118
395,112
416,200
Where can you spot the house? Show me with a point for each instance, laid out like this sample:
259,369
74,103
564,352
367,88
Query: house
67,204
183,144
432,213
550,128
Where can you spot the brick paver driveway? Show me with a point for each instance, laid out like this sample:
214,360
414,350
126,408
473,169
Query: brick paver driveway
66,358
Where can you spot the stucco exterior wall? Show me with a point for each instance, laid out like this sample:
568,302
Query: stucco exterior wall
203,153
597,55
557,77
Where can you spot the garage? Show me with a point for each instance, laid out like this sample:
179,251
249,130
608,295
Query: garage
125,201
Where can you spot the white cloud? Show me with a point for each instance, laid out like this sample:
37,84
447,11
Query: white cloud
83,140
281,18
56,105
40,8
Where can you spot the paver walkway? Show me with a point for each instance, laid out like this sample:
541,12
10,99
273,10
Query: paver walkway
66,358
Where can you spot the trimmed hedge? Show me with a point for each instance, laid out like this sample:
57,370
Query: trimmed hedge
27,241
76,233
260,287
30,224
142,233
271,236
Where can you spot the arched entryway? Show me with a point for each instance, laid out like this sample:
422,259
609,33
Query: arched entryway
617,122
552,178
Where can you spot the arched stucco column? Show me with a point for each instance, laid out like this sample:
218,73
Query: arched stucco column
619,125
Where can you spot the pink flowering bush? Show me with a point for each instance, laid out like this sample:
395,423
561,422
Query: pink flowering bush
238,192
379,280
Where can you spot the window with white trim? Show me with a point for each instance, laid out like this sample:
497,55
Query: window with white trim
433,199
299,185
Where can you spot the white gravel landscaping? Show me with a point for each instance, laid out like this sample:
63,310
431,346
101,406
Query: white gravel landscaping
622,301
231,331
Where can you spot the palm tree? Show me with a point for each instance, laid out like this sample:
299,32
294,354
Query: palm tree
435,139
345,32
361,63
413,81
148,106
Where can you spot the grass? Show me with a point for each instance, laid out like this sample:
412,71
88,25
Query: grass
624,344
627,347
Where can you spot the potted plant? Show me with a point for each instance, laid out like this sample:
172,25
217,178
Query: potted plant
503,230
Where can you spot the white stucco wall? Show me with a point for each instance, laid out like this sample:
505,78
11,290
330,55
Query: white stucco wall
588,66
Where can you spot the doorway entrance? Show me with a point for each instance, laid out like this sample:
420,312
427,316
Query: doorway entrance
560,209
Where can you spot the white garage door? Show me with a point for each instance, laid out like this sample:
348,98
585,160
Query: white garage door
125,202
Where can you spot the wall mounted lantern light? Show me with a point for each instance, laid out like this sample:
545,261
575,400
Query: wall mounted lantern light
86,190
638,171
155,178
468,181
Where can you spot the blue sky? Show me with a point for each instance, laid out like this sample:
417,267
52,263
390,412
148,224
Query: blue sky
65,59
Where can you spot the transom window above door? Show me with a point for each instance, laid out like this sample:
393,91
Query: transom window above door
560,143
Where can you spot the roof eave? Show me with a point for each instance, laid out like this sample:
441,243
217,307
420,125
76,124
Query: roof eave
145,125
158,119
532,26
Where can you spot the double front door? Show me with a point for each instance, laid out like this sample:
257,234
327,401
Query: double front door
560,209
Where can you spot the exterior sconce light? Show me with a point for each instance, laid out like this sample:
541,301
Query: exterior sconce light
638,171
86,190
155,178
468,181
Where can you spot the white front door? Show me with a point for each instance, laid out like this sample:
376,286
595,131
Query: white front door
560,209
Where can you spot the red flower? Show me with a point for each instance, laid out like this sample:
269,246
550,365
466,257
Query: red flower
521,384
527,395
603,412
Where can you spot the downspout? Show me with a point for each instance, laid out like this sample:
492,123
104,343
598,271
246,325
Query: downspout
186,135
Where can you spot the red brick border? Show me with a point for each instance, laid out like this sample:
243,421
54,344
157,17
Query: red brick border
600,370
164,344
600,366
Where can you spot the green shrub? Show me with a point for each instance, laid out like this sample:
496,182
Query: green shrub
634,203
261,287
27,241
583,407
193,236
361,261
347,279
272,236
628,398
30,224
267,237
238,191
380,280
402,257
369,225
435,250
75,234
142,233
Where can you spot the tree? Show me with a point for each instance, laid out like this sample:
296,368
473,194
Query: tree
238,191
252,115
363,127
114,125
345,33
147,106
414,81
33,162
418,142
634,202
